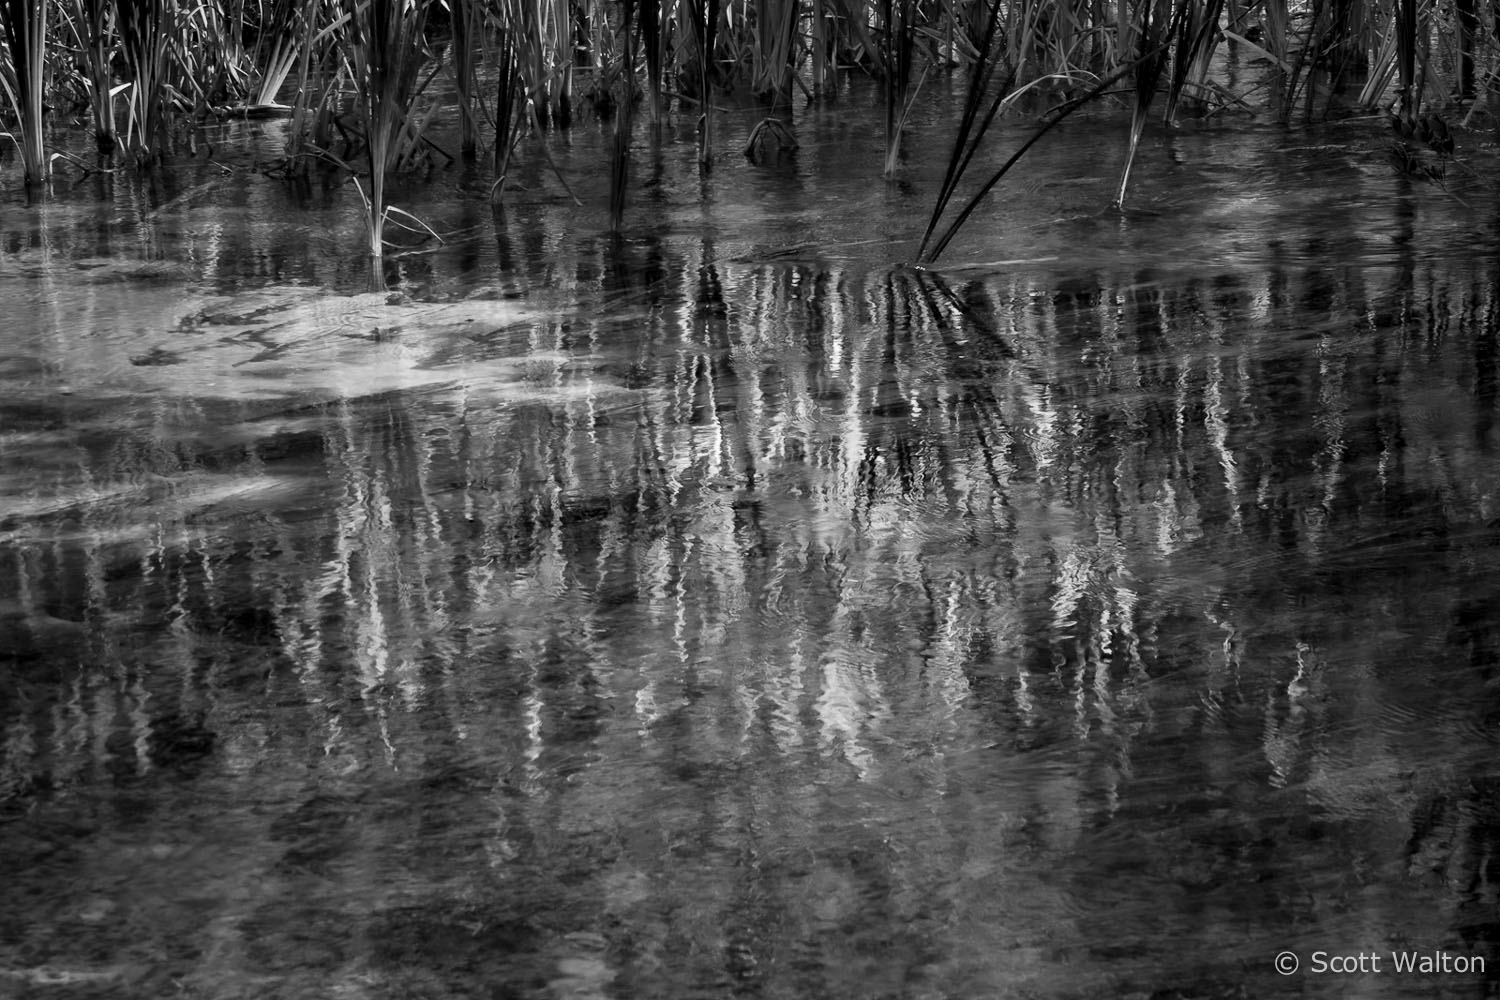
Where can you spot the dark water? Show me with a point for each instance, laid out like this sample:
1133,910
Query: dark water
732,611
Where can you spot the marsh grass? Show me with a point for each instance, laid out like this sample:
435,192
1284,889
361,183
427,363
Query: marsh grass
357,73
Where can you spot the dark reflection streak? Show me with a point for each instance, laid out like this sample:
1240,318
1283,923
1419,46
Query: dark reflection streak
1483,303
504,254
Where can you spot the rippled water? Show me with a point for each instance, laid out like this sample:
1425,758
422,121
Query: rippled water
732,610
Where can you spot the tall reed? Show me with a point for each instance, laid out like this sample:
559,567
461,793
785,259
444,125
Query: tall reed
702,22
467,20
898,41
278,47
542,33
91,23
510,107
25,26
147,35
772,41
1197,35
1150,33
384,51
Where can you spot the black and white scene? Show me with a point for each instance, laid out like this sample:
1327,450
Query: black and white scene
749,499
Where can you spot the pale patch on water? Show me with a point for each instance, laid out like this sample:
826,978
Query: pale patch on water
132,337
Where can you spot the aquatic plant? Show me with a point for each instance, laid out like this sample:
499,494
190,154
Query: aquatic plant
147,67
1148,34
898,41
148,44
384,52
769,40
700,21
279,42
466,22
91,24
24,23
510,106
992,77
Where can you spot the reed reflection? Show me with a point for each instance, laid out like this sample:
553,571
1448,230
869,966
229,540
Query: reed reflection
792,626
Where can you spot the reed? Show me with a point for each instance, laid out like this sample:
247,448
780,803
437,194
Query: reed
91,24
701,22
278,47
772,43
143,65
1150,34
24,23
897,44
510,109
1197,36
542,33
656,52
147,29
467,20
384,52
315,102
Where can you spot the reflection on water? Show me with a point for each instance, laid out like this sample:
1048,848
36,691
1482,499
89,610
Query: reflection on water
762,626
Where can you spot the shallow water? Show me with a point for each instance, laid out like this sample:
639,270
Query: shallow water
733,609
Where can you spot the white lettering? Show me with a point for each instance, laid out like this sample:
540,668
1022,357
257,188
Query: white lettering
1437,962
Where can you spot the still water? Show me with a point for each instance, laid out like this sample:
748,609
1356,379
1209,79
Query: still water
733,610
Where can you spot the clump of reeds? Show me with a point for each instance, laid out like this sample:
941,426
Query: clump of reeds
24,23
146,36
280,36
143,64
384,51
91,23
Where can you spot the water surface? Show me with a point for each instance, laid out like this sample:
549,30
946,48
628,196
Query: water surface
733,609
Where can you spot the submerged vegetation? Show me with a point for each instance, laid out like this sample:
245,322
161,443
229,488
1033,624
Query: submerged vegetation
363,81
